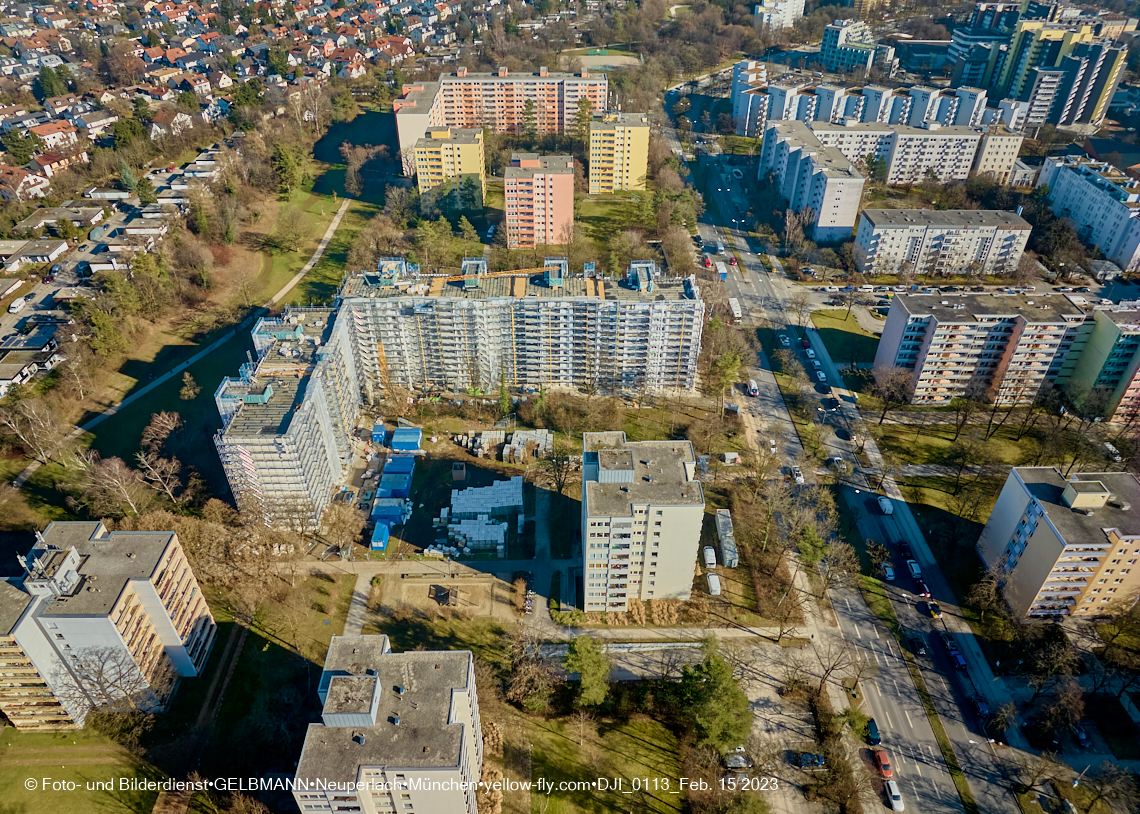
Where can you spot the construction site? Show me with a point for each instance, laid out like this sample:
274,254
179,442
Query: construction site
528,328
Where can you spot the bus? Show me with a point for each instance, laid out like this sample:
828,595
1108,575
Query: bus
737,314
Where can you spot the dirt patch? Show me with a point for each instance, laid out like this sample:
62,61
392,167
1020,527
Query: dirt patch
466,596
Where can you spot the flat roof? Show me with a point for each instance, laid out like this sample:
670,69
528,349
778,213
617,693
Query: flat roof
422,739
659,475
973,307
458,135
1047,485
955,218
13,602
108,561
420,288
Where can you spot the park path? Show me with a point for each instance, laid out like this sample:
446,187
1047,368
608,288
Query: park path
300,275
31,469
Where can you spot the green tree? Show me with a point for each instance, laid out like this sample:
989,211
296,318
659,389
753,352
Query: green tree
288,168
142,110
188,102
20,146
127,176
146,193
584,656
582,121
48,84
712,702
468,234
278,61
432,238
127,131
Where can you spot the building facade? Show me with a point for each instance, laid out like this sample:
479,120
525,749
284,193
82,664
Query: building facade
997,154
642,510
399,732
1107,380
619,152
504,102
287,419
539,200
811,176
1065,546
1102,202
749,97
777,15
939,243
911,153
99,619
455,157
848,45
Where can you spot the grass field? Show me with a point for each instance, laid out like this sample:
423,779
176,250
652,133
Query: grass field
931,443
83,758
846,341
604,215
483,637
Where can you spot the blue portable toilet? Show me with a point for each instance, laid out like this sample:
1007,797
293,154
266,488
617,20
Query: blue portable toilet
380,537
379,433
407,439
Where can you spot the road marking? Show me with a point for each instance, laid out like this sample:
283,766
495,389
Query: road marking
857,633
918,767
890,649
898,761
908,720
888,717
877,690
876,632
848,601
876,653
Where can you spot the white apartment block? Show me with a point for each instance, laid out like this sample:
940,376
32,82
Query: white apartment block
934,242
535,327
400,733
848,44
812,176
1066,546
995,347
1102,202
910,152
96,617
642,511
997,153
779,14
749,97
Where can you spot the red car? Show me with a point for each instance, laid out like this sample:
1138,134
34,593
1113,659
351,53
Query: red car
805,343
883,761
732,262
708,263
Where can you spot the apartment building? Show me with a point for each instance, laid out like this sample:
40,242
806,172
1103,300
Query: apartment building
1066,546
399,732
99,619
1037,44
997,153
812,176
619,152
749,97
642,510
1107,380
1102,202
933,242
501,101
537,327
777,15
453,156
539,200
848,45
1001,348
910,152
286,419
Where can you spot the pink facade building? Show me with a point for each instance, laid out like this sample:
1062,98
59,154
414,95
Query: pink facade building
539,200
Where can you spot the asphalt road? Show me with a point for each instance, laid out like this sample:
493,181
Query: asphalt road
42,294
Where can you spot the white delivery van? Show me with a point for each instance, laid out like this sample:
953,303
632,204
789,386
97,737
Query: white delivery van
710,557
753,390
886,505
17,306
714,584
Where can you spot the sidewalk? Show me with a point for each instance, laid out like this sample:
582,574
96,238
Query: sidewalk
300,275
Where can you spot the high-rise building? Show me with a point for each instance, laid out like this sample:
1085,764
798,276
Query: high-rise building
777,15
997,153
1065,546
936,242
539,200
1037,44
99,619
619,152
535,327
503,102
453,156
642,510
749,97
848,45
910,153
811,176
1000,348
1106,382
399,732
287,419
1102,202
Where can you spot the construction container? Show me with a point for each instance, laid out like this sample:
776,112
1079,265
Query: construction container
380,537
407,439
394,486
379,433
400,464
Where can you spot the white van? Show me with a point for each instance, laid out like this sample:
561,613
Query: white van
710,557
17,305
1112,451
753,390
720,248
714,584
886,505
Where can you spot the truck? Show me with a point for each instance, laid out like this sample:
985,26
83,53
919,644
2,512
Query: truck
721,270
737,314
17,306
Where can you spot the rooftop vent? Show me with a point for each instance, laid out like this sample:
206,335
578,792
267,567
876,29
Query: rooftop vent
1117,503
399,690
395,720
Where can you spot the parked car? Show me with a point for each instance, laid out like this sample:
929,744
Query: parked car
797,475
1081,736
905,549
810,353
819,374
839,464
883,761
914,568
805,343
886,505
923,590
873,736
733,262
812,761
710,557
772,445
959,661
917,645
785,342
948,642
894,796
888,572
933,610
980,706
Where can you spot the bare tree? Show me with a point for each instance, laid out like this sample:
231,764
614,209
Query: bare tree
799,304
109,679
561,470
35,425
1112,783
162,475
109,488
77,372
341,524
160,428
1032,769
1065,707
832,658
840,565
892,388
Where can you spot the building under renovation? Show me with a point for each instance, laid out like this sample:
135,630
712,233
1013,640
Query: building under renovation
286,420
532,328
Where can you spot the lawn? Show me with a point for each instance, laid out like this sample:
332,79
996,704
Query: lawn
321,283
483,637
278,267
633,750
929,443
82,758
605,215
846,341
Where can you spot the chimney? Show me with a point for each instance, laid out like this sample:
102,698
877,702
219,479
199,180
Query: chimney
502,70
585,73
542,71
461,72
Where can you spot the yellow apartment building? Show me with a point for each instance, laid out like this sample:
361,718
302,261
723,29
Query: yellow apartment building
619,152
446,153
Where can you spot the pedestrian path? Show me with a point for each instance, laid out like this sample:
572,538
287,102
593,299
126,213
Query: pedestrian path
300,275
